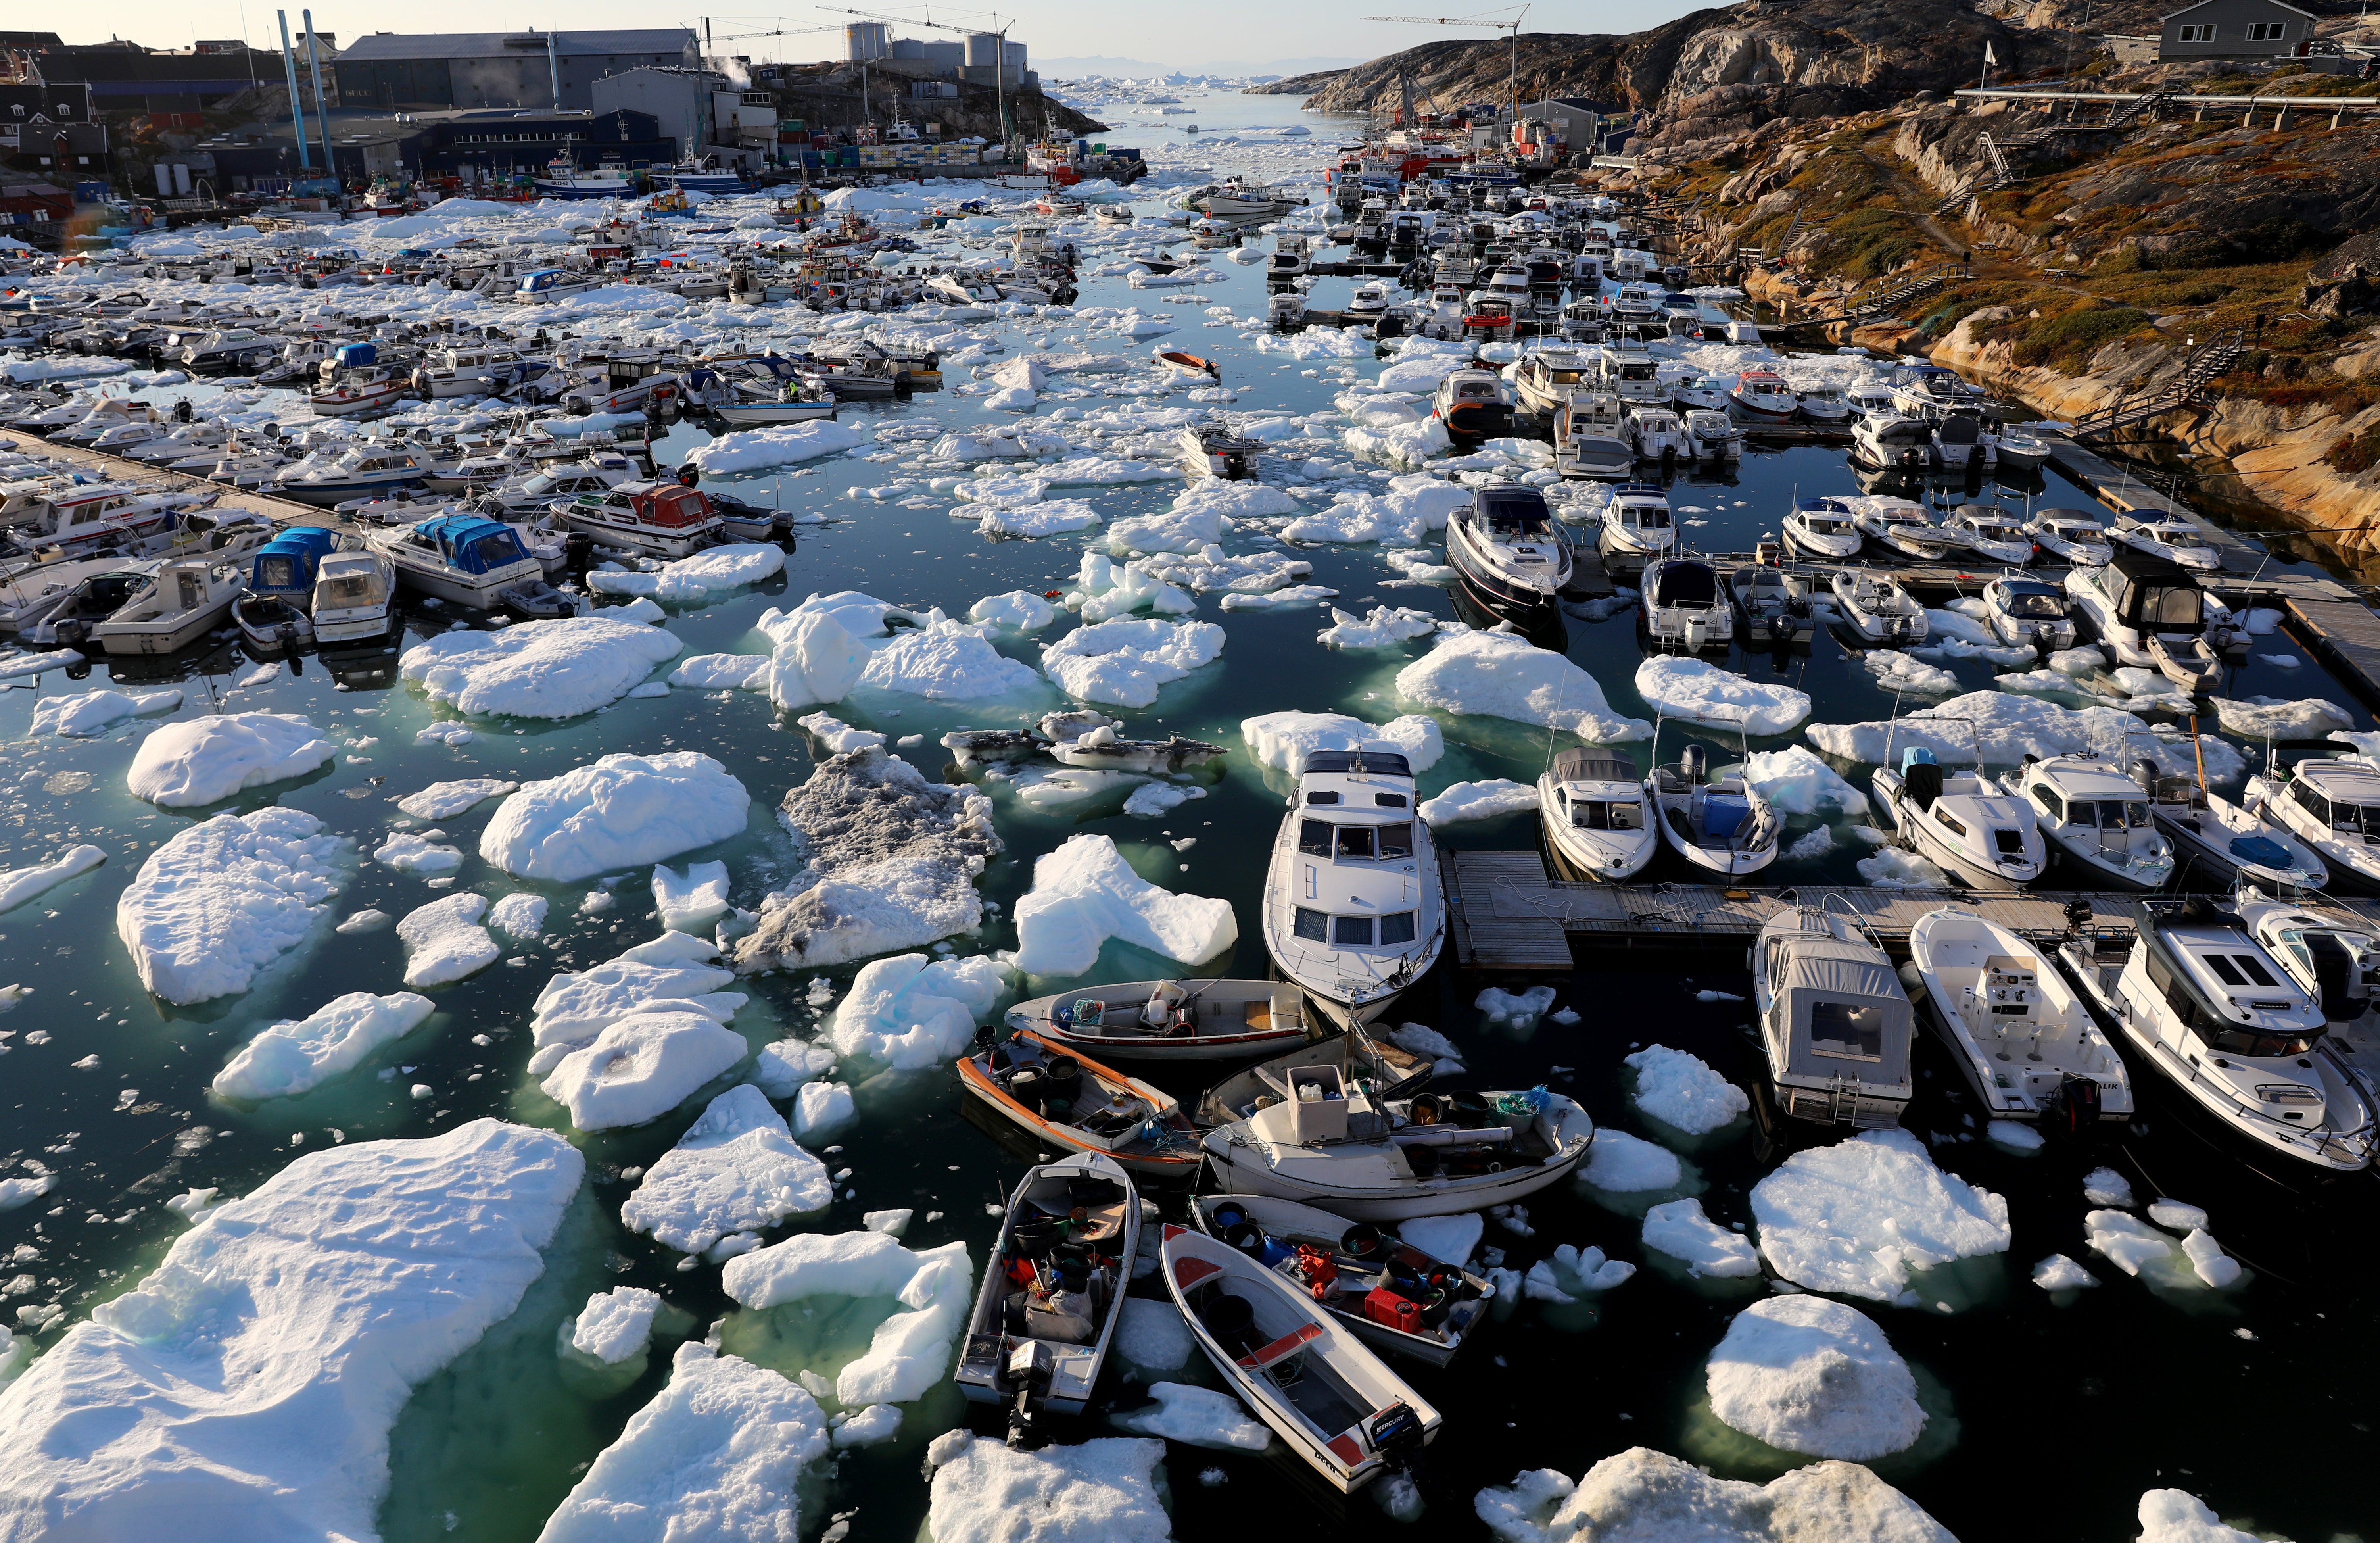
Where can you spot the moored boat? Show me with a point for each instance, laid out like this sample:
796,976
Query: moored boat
1069,1102
1053,1290
1170,1020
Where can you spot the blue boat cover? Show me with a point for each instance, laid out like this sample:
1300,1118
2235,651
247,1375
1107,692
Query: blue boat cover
1723,815
285,565
473,543
2263,851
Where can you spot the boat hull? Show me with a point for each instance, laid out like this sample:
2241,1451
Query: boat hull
1235,1168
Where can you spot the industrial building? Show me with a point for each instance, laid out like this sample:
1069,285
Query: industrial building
699,108
428,71
125,77
55,129
981,58
478,145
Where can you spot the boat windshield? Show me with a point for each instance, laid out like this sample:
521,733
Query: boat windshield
1593,814
2360,819
2034,608
1847,1031
1645,519
2110,814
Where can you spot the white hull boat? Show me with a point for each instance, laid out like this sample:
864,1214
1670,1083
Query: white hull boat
1834,1019
1962,823
1593,809
1170,1020
2026,1042
1353,903
1054,1292
1396,1298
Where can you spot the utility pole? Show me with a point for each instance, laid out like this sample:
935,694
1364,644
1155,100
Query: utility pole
297,102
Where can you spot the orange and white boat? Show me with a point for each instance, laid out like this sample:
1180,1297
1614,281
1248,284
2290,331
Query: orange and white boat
1072,1103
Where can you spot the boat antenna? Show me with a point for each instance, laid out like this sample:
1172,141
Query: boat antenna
2199,753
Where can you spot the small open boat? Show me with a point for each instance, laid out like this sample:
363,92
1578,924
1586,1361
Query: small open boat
1305,1373
1170,1020
1382,1069
1049,1303
1189,364
1073,1103
1394,1297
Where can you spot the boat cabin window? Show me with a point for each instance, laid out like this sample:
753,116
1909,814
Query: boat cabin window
1949,822
1846,1031
1821,525
1397,928
344,589
1314,837
2113,814
2355,818
2053,806
1324,797
1649,519
1593,814
2242,1041
1395,841
1355,930
1311,925
1354,841
2027,607
1390,800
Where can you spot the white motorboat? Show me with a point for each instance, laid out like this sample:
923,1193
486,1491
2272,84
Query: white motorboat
2021,446
1473,402
1593,811
1834,1019
2027,613
1960,441
1548,379
1904,529
467,372
231,348
2333,807
363,472
1688,389
1285,312
1353,904
187,599
2152,614
1960,822
274,612
1874,606
355,596
187,441
1714,435
466,560
1213,450
1627,372
2173,537
1824,529
658,519
1637,527
2220,844
2098,819
555,484
1763,396
2025,1042
77,521
1371,299
1890,441
1657,435
1713,817
1397,1298
2071,534
1053,1290
1681,606
2331,953
356,390
73,596
1508,550
1991,534
1171,1020
1826,406
1305,1374
2200,999
1772,606
1065,1101
1589,440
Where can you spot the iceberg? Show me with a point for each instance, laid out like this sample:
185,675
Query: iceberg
1678,1088
1285,740
1125,662
782,445
205,760
220,901
558,668
1679,1229
1857,1217
1697,691
910,1354
19,885
93,712
445,800
642,1066
623,811
1104,1491
1084,893
910,1013
444,941
1643,1496
1497,674
1482,800
735,1170
1807,1375
697,579
297,1055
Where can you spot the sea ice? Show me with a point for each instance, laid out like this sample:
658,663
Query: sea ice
909,1013
1384,627
1516,1009
1126,661
93,712
2008,727
1697,691
247,1385
1152,1335
444,941
1893,869
672,971
295,1055
779,444
1796,782
877,1421
822,1106
1499,675
2060,1274
1807,1375
910,1354
730,671
784,1065
1018,609
1518,1512
947,660
1085,893
1623,1164
415,852
1679,1229
1031,520
615,1324
2179,1516
893,860
2280,718
1904,673
2014,1135
721,1453
2104,1186
445,800
736,1168
687,900
557,668
1105,589
2179,1215
1099,1492
204,761
221,900
20,884
1481,800
1858,1217
695,580
623,811
1452,1238
641,1067
1195,1417
1680,1089
1285,740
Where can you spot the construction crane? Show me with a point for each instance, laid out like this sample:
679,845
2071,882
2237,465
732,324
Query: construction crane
774,32
1000,65
1513,78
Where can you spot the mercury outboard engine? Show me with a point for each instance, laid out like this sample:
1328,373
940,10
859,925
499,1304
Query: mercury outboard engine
1920,776
1694,765
2338,980
2072,1109
1029,1365
2144,771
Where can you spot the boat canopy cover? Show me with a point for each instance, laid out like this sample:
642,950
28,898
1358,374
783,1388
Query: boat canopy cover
285,564
474,544
1848,1014
1959,428
1685,583
1387,763
1594,766
2152,591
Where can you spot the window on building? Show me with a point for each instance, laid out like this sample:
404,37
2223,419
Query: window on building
2267,32
2198,32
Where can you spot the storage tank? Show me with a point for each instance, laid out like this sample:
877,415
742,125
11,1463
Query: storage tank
982,50
908,48
867,40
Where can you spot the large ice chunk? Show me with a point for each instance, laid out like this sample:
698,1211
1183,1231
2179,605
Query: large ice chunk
1697,691
20,884
893,861
1101,1491
1481,800
641,1067
910,1013
1625,1164
91,712
1680,1089
1084,893
947,660
615,1324
1497,674
294,1055
1795,782
1679,1229
911,1351
1195,1417
205,760
623,811
1285,740
685,901
694,580
1125,662
1859,1215
719,1453
673,970
220,901
246,1388
445,800
735,1170
1804,1374
557,668
2281,718
779,444
444,941
2006,727
2179,1516
1642,1496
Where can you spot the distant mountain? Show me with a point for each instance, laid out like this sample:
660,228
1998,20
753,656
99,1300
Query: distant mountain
1278,67
1104,63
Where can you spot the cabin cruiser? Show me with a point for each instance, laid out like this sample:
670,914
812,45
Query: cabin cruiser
74,522
1835,1019
2218,843
796,402
55,605
353,596
361,472
1582,322
273,612
1509,283
540,285
1050,1300
1874,606
1637,526
1633,304
2331,806
1825,528
1170,1020
2019,446
1656,435
1588,441
1548,378
230,348
2071,534
1714,819
2026,1042
2200,998
1869,400
1212,450
2151,613
1681,606
1772,605
458,559
1508,550
1291,257
1960,822
2173,537
1627,373
1688,389
2025,612
187,597
2332,954
1713,435
1890,441
1354,906
1395,1297
1904,529
1473,402
1593,811
1492,320
200,444
1960,441
1763,395
1371,299
656,519
527,492
480,371
1826,406
2099,817
1991,534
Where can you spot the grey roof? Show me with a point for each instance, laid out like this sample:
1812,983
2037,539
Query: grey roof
490,45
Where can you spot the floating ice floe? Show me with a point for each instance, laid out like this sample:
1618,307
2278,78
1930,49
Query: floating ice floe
695,580
205,760
19,885
735,1170
2179,1516
1084,893
1018,609
1697,691
2060,1274
1195,1417
444,941
1499,675
257,1371
892,863
1807,1375
557,668
615,1324
1859,1217
641,1066
1521,1009
297,1055
910,1354
910,1013
1053,518
1126,661
220,901
731,672
1642,1496
1624,1165
1482,800
1106,589
623,811
1384,627
671,971
418,852
1404,511
1152,1335
2280,718
2008,727
719,1452
1296,594
1285,740
1893,869
1105,1489
2137,1248
1796,782
685,901
1908,674
1678,1088
947,660
518,916
2104,1186
93,712
1679,1229
781,444
445,800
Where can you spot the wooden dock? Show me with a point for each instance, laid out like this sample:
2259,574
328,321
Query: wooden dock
281,511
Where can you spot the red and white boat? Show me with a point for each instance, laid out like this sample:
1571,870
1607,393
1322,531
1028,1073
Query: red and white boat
1763,394
357,391
660,520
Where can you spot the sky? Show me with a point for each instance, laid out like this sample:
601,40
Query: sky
1185,36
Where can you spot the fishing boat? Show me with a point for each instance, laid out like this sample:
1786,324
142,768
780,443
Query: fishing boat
359,390
1960,822
2222,844
1212,450
274,612
1305,1374
2332,806
1713,817
1593,809
1825,528
1380,1069
799,404
2097,817
1834,1018
1772,606
1548,379
353,596
2200,999
1714,435
1053,1290
2026,1042
1473,402
2071,534
1353,903
2027,613
1189,364
1069,1102
72,601
186,598
1588,441
689,177
367,471
1170,1020
2177,539
1889,441
80,521
566,179
1395,1297
1508,550
540,285
466,560
1874,606
660,520
1656,434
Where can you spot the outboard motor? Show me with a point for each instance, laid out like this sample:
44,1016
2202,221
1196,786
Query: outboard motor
2073,1111
181,410
1694,765
2144,771
1920,776
1029,1367
2338,981
2045,638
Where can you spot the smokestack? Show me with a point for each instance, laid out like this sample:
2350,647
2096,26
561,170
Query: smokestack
322,118
296,103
